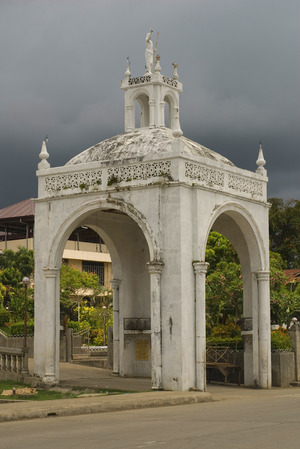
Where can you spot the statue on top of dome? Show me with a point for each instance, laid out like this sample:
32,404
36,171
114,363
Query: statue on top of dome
149,53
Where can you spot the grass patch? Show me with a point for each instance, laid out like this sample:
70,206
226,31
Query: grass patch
46,395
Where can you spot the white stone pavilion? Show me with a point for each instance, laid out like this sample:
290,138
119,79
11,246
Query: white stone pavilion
153,196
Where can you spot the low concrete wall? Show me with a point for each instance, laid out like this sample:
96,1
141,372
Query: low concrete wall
283,368
18,343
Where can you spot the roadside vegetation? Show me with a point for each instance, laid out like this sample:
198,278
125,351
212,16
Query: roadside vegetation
46,395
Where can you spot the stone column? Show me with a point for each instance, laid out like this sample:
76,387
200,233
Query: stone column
115,283
51,329
151,113
155,269
162,113
264,330
129,118
200,269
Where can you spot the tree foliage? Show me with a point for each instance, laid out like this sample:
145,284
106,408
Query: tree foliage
13,267
20,263
284,302
224,286
73,286
284,228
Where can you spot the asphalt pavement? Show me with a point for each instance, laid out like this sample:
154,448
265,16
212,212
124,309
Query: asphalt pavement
72,376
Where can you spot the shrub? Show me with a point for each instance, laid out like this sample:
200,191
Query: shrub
280,340
231,342
78,326
18,328
4,317
226,330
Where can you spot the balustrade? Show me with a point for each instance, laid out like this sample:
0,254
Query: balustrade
14,360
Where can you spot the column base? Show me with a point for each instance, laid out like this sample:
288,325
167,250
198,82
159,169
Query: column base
50,379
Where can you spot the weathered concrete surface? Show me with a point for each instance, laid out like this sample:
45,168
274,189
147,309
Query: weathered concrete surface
69,407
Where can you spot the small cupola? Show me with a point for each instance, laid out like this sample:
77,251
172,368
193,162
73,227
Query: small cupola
155,95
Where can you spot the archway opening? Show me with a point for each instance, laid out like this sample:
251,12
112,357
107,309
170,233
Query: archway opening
224,309
235,224
142,113
128,250
85,292
167,112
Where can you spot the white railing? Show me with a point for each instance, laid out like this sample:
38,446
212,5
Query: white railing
14,360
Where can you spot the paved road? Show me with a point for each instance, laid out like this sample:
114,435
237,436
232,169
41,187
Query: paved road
268,420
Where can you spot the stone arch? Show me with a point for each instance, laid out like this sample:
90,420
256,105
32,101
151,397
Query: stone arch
235,222
172,102
83,211
143,101
131,283
142,96
238,225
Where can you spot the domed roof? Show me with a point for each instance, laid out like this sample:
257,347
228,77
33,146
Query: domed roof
140,144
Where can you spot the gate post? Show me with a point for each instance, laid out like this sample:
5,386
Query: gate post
200,269
155,269
264,331
50,332
115,284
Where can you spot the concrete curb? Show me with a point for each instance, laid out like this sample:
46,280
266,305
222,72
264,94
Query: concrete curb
15,411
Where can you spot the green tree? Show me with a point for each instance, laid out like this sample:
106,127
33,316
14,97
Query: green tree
73,286
13,267
2,295
224,285
218,249
22,261
284,219
284,302
17,303
224,292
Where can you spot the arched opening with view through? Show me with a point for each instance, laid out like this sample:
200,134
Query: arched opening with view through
237,292
123,232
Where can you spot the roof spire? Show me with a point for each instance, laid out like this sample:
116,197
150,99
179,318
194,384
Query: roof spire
128,72
157,67
44,155
175,73
261,162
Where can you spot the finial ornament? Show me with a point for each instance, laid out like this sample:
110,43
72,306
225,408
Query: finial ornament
149,53
128,72
44,155
175,73
157,67
261,162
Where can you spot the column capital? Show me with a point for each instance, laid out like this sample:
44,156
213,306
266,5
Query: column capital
262,275
200,267
155,266
51,272
115,283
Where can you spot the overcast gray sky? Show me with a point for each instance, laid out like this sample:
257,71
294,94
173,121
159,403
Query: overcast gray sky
62,62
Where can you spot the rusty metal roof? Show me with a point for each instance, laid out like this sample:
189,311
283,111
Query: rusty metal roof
19,210
17,220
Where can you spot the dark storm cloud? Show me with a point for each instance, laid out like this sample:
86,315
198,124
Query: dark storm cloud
62,62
